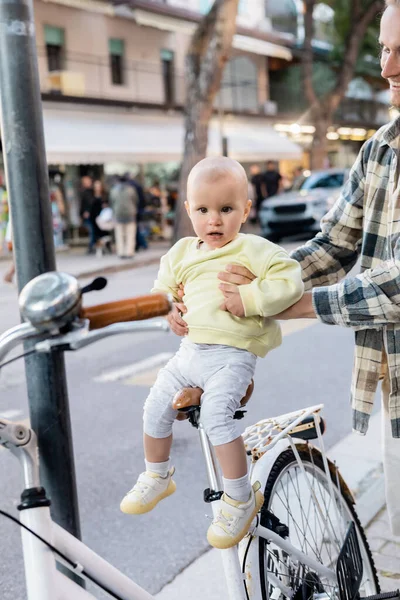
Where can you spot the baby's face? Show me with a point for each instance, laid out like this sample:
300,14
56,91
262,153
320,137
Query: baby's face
217,210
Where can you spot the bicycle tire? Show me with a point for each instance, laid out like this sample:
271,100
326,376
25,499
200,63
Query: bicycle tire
313,462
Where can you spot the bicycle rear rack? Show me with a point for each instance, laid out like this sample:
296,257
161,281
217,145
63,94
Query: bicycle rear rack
349,570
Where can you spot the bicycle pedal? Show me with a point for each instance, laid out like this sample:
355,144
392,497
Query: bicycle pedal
211,495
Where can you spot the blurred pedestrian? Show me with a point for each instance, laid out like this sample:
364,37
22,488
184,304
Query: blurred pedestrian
141,239
124,202
9,274
3,215
257,181
100,201
87,199
272,180
58,214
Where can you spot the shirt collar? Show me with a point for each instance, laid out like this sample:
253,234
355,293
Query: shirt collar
392,132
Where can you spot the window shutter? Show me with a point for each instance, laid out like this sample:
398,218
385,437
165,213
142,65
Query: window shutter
116,47
54,35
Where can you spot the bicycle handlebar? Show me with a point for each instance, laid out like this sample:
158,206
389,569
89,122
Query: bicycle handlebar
131,309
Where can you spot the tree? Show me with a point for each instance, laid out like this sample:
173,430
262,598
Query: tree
352,20
204,65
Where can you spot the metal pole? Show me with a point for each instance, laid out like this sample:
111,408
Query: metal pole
28,190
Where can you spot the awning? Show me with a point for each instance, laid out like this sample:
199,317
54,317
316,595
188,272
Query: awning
240,42
95,137
249,44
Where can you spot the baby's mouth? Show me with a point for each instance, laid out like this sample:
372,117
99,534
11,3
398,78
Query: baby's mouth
215,233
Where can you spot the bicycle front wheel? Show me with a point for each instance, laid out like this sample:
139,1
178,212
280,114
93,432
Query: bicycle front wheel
317,523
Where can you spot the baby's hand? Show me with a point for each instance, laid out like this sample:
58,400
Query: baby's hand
177,324
233,302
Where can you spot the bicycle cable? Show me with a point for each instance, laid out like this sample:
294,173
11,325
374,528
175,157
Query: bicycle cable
27,353
74,566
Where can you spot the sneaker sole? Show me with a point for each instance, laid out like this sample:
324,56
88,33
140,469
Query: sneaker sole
225,543
133,508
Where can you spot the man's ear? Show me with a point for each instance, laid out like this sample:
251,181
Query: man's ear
247,210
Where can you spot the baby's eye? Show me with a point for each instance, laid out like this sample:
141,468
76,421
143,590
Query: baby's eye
203,210
227,209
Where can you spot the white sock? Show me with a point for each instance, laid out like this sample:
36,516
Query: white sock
238,489
161,468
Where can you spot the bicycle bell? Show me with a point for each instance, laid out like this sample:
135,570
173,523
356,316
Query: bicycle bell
50,300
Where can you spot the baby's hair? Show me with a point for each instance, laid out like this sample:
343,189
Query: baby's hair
392,3
214,168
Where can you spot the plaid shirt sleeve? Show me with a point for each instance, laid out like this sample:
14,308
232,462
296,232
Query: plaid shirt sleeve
369,300
332,253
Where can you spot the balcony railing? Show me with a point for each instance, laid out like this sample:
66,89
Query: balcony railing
85,75
292,104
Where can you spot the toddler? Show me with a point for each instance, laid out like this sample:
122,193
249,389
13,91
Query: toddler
220,351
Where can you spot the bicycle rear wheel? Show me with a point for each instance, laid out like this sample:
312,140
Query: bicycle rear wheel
317,525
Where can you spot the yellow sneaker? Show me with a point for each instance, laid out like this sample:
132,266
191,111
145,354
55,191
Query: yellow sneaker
147,492
234,519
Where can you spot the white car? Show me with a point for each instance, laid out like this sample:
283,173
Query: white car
301,209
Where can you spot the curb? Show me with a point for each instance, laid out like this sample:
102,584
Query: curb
117,268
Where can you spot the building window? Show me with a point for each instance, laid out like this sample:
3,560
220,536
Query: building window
167,64
116,51
205,6
239,86
242,9
54,38
283,15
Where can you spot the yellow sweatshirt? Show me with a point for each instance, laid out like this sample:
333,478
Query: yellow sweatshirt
277,286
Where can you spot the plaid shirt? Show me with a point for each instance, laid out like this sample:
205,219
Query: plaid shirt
365,221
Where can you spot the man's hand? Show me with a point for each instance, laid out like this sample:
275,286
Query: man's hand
237,275
177,324
232,302
303,309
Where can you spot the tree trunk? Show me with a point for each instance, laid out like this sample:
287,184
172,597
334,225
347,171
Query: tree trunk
197,118
361,14
319,146
204,65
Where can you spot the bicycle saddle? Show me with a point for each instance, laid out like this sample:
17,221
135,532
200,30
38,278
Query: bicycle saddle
188,397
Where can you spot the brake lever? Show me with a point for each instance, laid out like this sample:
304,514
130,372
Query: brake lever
81,336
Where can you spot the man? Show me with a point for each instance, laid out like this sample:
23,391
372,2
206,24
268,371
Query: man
87,199
257,181
272,179
365,221
124,202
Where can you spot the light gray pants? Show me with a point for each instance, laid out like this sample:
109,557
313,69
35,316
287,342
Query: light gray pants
391,462
223,372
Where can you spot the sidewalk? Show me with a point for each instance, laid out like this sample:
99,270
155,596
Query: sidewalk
76,262
359,460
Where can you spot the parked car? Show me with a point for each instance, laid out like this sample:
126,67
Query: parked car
301,209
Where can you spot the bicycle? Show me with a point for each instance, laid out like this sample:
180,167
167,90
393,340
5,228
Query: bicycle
306,543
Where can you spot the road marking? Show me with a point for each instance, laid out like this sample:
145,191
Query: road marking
10,414
148,364
144,372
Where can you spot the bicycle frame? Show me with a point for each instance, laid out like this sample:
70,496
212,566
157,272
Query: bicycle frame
265,447
45,582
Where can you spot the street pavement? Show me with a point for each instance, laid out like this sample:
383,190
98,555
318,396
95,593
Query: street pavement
108,384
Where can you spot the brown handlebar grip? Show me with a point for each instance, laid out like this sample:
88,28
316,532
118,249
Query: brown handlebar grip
131,309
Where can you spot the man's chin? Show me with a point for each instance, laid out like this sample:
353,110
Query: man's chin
395,100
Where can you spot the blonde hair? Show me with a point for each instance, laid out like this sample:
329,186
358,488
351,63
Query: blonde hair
214,168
